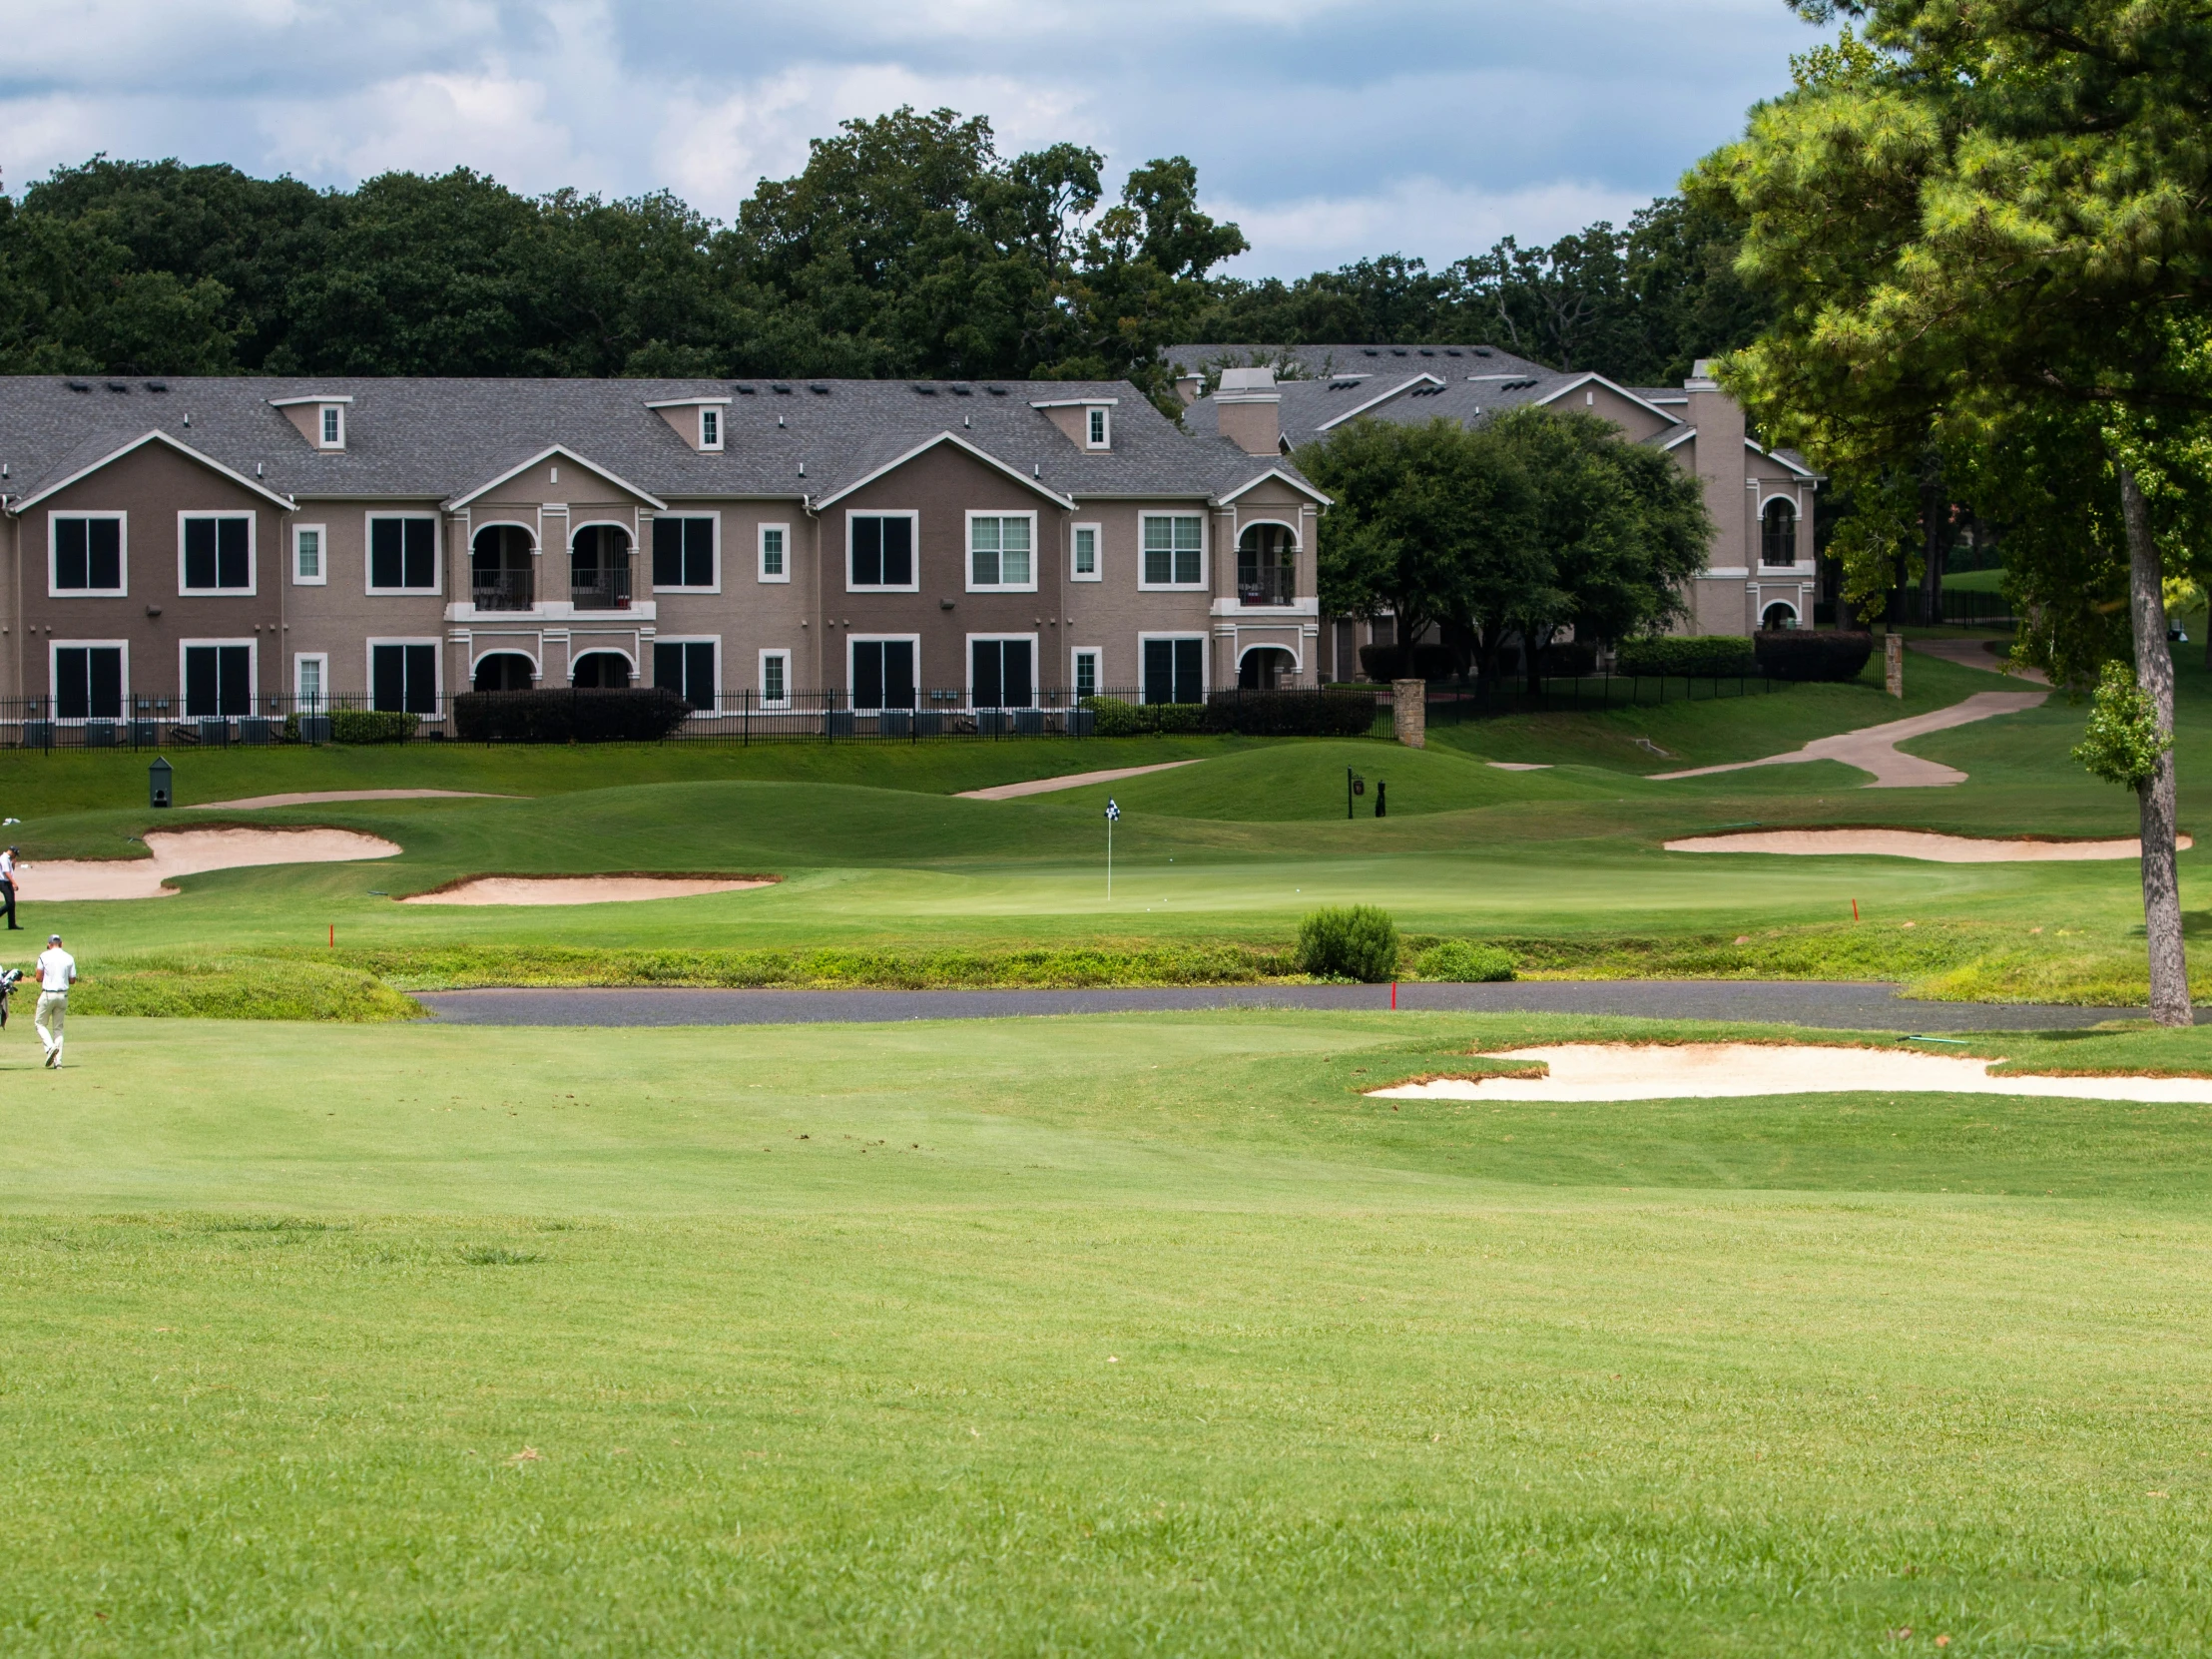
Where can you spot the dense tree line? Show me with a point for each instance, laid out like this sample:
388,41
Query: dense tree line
906,245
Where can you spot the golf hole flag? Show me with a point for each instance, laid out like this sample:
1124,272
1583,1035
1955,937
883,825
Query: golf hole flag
1113,811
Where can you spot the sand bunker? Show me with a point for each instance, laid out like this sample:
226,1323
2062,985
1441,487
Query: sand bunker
314,798
190,853
1915,844
1705,1072
583,890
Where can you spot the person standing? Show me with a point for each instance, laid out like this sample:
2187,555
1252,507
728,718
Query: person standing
7,887
56,971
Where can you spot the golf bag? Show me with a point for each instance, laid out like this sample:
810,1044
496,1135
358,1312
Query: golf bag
9,980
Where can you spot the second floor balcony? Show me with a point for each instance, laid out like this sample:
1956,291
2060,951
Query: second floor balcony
502,590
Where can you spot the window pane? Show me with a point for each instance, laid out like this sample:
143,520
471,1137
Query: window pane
1014,564
772,679
899,674
69,553
868,552
699,674
234,680
200,681
1086,673
72,691
310,681
105,676
388,676
200,553
232,568
771,552
311,553
699,552
985,683
1159,671
667,552
867,674
420,565
1018,690
899,552
668,667
1086,552
330,426
104,553
1186,549
1190,662
386,564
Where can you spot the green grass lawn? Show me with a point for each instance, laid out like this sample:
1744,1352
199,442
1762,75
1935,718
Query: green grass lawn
1109,1336
887,877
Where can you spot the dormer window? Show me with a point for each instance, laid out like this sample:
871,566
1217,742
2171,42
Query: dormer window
333,427
320,417
1097,433
696,420
710,428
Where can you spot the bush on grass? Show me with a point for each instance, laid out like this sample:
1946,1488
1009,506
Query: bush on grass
370,726
1117,719
641,713
1460,963
240,987
1812,654
1292,714
1358,942
1692,656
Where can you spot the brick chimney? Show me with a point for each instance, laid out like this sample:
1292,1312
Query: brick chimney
1247,405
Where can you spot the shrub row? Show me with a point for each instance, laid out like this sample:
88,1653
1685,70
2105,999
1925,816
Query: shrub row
1287,714
1812,654
639,715
1716,656
357,726
1116,718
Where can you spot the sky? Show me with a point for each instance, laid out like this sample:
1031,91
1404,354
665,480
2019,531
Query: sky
1330,130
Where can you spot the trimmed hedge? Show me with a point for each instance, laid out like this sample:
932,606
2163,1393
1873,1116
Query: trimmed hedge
643,714
373,726
1356,943
1812,654
1694,656
1117,719
1292,713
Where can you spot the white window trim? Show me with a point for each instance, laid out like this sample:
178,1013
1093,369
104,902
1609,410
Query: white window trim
714,640
1205,658
967,556
437,663
759,553
1098,552
322,414
123,546
252,674
852,640
1098,669
253,554
1104,417
968,668
438,554
760,685
645,552
710,412
322,532
299,697
909,513
1204,556
53,681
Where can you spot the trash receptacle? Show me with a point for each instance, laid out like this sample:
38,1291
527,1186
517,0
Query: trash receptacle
156,782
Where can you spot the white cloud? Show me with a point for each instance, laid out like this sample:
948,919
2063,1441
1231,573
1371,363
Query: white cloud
1420,217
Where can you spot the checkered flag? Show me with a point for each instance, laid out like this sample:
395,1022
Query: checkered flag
1113,811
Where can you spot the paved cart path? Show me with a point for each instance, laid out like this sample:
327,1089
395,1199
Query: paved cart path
1873,747
1069,781
1836,1004
1972,653
318,797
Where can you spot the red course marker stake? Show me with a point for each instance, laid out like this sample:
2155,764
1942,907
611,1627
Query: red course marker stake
333,935
1393,996
1855,910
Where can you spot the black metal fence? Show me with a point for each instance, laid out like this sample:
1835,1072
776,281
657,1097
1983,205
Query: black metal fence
1451,702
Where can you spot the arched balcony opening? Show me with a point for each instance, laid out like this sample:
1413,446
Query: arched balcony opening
499,671
1267,565
599,568
1778,615
502,572
601,671
1778,533
1266,668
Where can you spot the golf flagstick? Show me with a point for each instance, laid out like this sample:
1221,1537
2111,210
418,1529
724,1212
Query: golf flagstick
1113,811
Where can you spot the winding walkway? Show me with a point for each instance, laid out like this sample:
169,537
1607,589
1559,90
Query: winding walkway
1067,780
1875,748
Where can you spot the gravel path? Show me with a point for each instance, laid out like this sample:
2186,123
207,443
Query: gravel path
1835,1004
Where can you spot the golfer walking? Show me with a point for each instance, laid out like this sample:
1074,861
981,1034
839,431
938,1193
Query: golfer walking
7,888
56,971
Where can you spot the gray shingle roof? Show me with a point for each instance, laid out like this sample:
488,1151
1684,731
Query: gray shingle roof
1320,360
438,438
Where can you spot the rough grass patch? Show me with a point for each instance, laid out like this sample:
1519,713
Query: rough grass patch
1461,961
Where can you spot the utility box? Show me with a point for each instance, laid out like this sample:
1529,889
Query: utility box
157,783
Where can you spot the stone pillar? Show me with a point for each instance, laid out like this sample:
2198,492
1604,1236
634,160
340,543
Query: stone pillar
1893,663
1410,713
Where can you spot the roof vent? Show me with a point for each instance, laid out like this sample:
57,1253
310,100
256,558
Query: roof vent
1451,352
157,386
1371,351
1481,351
927,391
779,388
959,390
743,391
1428,351
819,389
996,391
80,385
118,385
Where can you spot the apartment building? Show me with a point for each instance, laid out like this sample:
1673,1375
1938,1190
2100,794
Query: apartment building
201,548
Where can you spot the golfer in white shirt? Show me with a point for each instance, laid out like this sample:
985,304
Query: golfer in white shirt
56,971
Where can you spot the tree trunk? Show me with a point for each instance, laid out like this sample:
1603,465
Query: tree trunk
1934,542
2154,672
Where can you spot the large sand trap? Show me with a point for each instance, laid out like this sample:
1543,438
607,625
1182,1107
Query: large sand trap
1066,781
1706,1071
316,797
189,852
583,890
1915,844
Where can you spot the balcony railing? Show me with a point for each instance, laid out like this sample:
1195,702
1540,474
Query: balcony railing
505,590
601,589
1266,585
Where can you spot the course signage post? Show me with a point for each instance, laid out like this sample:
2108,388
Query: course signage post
158,778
